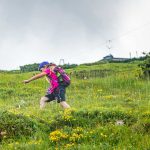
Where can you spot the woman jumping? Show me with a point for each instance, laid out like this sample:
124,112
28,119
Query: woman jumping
58,84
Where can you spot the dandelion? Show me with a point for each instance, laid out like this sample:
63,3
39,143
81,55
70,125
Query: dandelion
33,142
68,115
11,145
28,115
78,130
69,145
108,97
103,135
17,143
75,137
147,113
57,135
99,90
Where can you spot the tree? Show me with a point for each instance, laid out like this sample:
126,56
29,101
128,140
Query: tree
29,67
146,65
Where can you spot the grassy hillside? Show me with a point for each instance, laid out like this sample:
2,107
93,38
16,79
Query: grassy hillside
110,112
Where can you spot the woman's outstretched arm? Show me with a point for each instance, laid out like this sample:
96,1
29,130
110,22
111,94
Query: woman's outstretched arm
35,77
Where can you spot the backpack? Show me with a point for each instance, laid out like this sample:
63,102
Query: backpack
63,78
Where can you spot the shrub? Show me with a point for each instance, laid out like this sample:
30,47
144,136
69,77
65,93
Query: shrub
90,118
14,126
146,65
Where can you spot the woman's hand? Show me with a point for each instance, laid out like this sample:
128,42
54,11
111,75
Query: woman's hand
26,81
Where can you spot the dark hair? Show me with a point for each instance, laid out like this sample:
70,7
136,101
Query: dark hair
52,64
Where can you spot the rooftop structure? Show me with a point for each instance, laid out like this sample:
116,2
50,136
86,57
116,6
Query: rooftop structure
112,58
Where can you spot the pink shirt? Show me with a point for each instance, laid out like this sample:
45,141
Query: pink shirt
53,80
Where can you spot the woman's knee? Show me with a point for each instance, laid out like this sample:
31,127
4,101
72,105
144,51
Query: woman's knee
43,99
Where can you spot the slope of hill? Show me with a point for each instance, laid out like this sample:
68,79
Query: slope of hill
108,112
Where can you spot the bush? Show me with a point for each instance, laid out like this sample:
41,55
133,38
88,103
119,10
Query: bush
146,65
14,126
90,118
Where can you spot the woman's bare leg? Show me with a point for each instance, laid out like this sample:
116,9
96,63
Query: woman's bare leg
64,105
43,102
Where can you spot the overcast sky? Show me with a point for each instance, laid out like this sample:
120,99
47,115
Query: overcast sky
32,31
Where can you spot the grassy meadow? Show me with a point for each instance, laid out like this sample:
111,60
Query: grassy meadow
107,113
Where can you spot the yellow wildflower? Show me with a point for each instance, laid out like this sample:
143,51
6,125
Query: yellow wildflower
69,145
55,136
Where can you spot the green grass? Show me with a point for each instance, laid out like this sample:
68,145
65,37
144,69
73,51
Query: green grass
97,104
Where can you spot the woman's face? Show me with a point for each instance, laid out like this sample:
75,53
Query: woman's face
43,69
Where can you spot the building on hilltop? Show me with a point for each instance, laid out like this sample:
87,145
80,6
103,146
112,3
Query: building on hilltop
108,57
112,58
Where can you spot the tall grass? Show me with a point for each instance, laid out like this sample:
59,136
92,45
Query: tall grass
98,104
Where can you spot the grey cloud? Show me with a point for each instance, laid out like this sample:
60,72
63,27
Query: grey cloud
34,30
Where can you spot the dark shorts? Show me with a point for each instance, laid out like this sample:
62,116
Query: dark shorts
58,94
